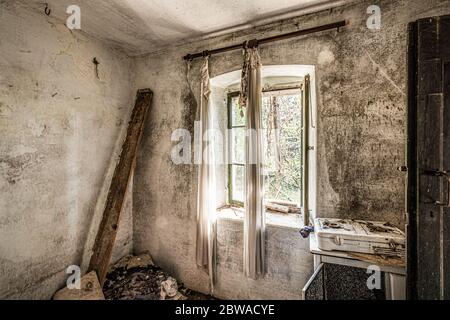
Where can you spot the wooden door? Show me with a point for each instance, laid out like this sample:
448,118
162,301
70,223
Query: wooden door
428,159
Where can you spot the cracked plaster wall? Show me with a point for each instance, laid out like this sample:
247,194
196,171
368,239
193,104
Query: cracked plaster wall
60,133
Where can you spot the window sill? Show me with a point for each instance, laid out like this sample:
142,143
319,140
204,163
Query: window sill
284,220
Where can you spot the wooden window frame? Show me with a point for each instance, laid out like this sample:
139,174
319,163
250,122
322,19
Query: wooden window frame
230,126
304,136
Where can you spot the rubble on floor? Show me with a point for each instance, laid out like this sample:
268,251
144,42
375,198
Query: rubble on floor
137,278
130,261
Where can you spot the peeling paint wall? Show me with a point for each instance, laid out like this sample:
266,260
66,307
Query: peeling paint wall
361,100
60,134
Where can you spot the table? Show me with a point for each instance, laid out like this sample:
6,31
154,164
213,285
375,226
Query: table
394,268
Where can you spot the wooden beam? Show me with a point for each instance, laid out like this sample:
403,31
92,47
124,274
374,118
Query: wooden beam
107,232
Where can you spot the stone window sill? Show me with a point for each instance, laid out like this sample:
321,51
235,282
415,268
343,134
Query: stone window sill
284,220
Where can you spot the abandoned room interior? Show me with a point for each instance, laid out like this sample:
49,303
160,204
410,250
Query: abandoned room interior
224,150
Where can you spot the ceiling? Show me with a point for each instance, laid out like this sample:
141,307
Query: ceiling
141,26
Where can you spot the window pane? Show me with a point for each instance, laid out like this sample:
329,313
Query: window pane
238,145
238,180
282,119
238,117
282,139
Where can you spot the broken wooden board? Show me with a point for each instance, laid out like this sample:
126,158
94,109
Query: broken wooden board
277,207
107,232
90,290
379,260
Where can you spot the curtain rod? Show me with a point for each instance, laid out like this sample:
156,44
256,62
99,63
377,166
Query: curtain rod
256,42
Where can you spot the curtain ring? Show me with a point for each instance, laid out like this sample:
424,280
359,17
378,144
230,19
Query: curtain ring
47,10
205,54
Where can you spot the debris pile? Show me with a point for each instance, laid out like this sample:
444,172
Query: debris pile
137,278
140,283
381,228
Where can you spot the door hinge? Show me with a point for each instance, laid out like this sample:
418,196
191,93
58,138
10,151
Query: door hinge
445,174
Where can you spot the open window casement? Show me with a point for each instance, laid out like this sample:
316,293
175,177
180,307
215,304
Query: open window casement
306,94
285,148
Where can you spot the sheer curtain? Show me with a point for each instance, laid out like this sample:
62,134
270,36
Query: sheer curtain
254,223
206,203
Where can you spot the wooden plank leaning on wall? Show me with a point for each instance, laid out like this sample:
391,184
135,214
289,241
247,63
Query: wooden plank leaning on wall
106,236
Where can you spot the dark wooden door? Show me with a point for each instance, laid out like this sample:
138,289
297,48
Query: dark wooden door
428,223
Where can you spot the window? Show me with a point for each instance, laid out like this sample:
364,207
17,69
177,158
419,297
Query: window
282,116
236,169
282,122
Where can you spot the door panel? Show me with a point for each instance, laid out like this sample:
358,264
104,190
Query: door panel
446,164
428,159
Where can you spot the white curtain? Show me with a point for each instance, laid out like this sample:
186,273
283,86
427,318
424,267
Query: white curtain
254,224
206,203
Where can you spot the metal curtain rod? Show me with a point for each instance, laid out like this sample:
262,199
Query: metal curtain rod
255,42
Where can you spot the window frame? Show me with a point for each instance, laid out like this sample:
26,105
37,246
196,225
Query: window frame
230,126
301,93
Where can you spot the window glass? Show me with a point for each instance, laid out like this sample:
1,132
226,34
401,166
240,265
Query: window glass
282,121
238,145
238,181
238,116
282,146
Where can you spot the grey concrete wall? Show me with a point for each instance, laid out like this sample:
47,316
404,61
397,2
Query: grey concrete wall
361,100
60,132
288,263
